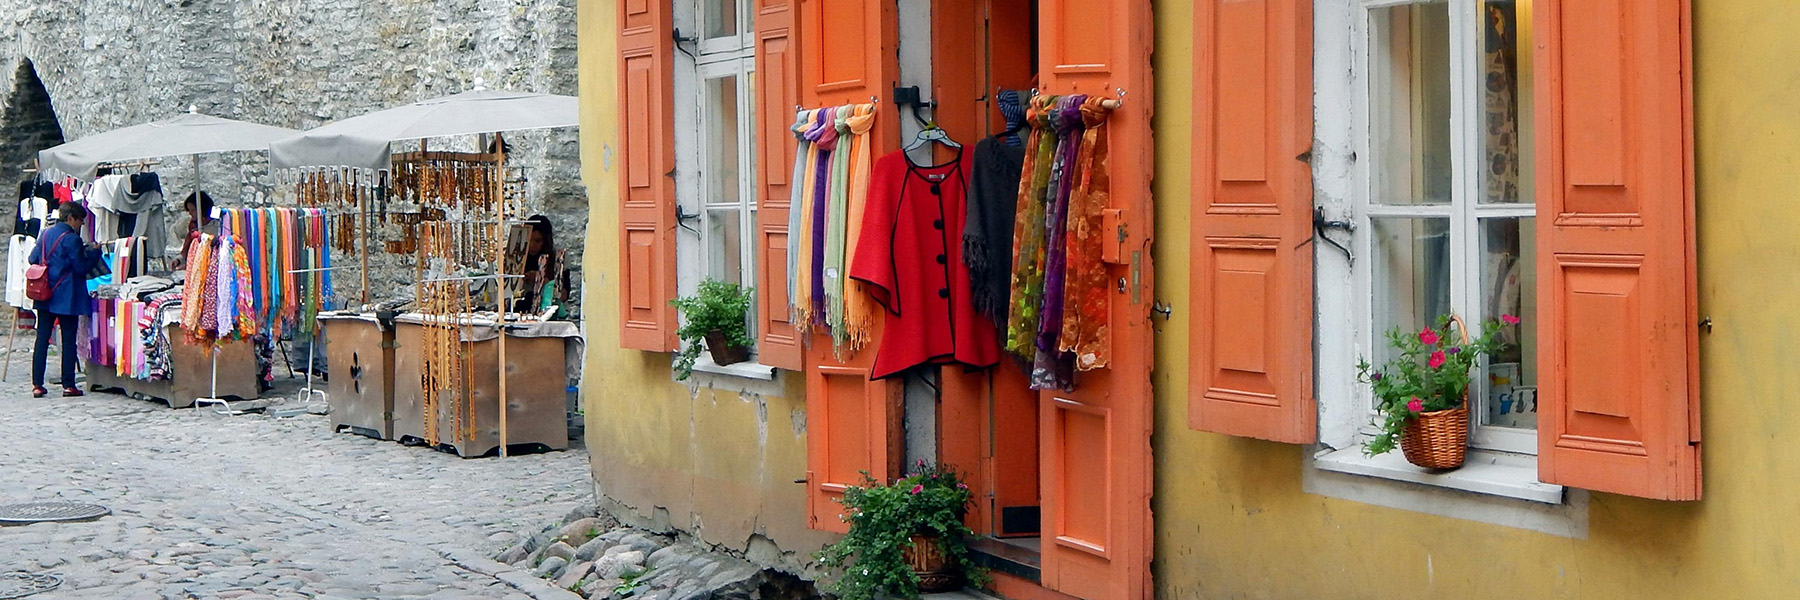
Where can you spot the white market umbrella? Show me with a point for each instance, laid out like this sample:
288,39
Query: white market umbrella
363,142
188,134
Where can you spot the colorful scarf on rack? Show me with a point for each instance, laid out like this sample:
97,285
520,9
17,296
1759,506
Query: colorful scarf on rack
1052,368
797,195
1028,233
859,306
800,235
1085,310
830,190
832,272
826,139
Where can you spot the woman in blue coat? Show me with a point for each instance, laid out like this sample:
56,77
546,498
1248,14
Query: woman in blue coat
67,260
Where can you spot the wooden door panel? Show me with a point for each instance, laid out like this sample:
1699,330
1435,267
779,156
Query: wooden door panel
852,428
853,424
1095,441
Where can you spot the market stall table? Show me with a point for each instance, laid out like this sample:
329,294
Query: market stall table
191,373
537,366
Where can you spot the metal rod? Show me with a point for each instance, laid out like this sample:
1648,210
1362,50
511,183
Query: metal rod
10,338
500,268
474,278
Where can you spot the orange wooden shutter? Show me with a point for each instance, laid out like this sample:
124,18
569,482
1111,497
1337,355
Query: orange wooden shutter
1619,405
646,184
1252,304
777,93
847,55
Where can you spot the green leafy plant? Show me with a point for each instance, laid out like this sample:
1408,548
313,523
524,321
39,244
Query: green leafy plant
716,307
631,580
883,520
1431,373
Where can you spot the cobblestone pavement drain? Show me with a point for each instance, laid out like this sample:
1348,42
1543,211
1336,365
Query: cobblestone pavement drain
255,507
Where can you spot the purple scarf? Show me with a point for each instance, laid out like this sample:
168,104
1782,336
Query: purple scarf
1052,368
823,134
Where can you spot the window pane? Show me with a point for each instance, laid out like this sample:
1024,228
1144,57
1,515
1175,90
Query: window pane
721,168
1505,80
724,245
1409,103
1509,287
721,17
1411,273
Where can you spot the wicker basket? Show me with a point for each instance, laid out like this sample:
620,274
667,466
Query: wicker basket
1437,439
927,559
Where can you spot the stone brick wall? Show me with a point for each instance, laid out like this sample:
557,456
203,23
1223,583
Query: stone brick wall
291,63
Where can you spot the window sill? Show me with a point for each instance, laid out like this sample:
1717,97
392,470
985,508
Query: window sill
1490,473
747,370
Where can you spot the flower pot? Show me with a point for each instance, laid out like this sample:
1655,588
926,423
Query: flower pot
724,352
927,559
1437,439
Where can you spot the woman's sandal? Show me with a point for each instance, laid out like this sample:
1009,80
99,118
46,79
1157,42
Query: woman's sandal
38,392
69,392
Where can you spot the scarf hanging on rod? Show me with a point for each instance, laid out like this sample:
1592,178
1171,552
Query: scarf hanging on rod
801,236
1085,332
859,306
1051,368
1028,233
797,196
828,194
832,270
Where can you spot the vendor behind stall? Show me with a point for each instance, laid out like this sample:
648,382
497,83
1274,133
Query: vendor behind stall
197,205
544,284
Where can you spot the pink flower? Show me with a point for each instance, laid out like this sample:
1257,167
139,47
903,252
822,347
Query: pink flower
918,488
1415,405
1509,319
1428,337
1437,359
962,486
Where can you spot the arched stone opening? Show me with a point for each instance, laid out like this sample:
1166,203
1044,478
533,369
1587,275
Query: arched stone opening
29,123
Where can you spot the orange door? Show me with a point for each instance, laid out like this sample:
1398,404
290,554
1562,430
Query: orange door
1095,442
847,56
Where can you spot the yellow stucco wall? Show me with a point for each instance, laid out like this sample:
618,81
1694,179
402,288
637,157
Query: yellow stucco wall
1233,522
716,462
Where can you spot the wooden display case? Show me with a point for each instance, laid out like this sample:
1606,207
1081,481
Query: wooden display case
537,399
359,353
191,374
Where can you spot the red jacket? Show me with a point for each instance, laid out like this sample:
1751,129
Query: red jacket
910,253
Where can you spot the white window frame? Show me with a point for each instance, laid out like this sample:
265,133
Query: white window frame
1464,212
1503,461
696,62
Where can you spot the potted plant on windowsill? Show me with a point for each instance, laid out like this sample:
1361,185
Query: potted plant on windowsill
717,314
904,538
1422,394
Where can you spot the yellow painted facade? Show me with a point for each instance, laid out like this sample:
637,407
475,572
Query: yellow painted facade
718,463
1232,519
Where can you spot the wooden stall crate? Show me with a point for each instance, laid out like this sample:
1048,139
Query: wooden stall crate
359,354
537,399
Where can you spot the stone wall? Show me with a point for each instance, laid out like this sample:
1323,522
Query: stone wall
291,63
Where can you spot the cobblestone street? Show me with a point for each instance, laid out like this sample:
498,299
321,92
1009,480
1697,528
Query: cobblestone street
213,506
